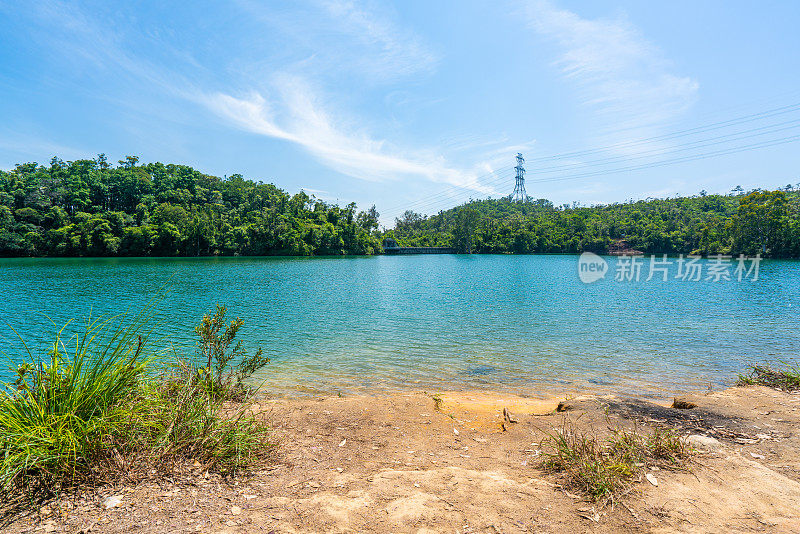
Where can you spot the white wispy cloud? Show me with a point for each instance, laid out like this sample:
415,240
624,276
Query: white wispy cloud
620,74
345,38
314,191
392,51
295,113
294,101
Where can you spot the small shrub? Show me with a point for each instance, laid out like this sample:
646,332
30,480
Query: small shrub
787,379
221,378
178,418
601,469
438,402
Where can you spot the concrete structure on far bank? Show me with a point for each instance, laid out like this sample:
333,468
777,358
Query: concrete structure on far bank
390,246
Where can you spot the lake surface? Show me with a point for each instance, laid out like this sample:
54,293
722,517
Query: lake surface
437,322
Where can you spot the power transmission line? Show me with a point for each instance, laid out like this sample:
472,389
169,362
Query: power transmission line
727,138
502,171
734,150
672,161
683,133
680,133
446,196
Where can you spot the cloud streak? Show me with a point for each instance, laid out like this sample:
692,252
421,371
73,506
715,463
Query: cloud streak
295,101
392,51
619,73
344,38
290,110
301,118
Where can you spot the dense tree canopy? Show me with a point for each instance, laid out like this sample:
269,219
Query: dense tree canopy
90,208
765,222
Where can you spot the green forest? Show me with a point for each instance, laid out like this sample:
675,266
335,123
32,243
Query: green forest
758,222
93,208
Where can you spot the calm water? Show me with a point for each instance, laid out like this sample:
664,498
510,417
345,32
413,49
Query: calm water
524,323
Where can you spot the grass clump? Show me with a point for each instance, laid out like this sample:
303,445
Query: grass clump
786,379
104,406
602,469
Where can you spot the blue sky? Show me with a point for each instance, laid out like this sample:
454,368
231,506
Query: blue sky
414,104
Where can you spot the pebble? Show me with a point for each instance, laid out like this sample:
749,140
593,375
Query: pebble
112,502
703,442
235,510
651,479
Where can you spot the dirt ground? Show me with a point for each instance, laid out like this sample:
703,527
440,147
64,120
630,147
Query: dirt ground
400,464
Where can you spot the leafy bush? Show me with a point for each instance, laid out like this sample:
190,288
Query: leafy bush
110,407
177,418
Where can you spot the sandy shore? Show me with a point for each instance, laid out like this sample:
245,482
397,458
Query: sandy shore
400,464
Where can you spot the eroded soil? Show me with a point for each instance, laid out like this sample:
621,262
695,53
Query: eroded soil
399,464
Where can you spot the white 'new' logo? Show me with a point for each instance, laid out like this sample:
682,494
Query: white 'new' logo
591,267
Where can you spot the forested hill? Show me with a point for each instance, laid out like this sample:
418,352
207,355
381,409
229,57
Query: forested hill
763,222
91,208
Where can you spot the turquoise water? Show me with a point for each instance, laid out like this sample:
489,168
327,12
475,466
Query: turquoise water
439,322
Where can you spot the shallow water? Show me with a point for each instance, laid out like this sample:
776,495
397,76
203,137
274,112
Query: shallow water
438,322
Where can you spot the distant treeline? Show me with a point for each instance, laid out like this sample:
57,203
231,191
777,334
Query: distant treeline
91,208
764,222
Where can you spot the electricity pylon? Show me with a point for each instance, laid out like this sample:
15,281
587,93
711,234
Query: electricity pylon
519,194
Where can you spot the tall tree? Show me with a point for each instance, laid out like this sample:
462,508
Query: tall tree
759,221
466,222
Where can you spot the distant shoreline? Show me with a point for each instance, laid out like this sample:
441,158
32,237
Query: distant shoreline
350,256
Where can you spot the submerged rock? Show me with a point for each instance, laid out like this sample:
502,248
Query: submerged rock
481,370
